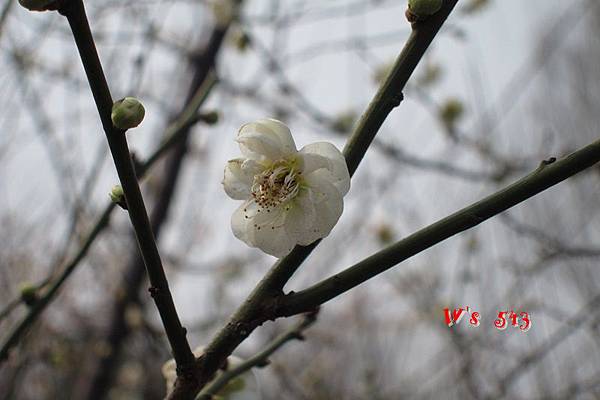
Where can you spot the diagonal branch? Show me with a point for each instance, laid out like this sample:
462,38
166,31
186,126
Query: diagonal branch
548,174
386,99
262,302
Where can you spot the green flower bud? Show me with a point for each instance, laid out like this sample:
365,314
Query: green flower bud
29,294
127,113
211,117
419,10
40,5
344,122
430,75
118,196
242,41
385,234
450,112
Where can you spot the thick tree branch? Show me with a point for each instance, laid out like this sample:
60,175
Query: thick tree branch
548,174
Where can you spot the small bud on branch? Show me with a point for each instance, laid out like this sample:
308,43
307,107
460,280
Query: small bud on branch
127,113
117,196
211,117
29,294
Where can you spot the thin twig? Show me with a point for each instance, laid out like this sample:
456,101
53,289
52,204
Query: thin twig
173,133
260,359
18,331
568,328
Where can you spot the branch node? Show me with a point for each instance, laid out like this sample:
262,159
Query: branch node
154,291
549,161
64,7
187,371
264,363
396,99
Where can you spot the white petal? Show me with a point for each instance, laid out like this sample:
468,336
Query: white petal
329,205
266,139
241,222
281,131
310,162
300,217
269,232
252,168
337,171
236,181
259,147
258,228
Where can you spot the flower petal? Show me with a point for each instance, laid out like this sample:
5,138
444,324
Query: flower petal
237,181
336,171
258,228
270,234
266,139
241,222
282,131
328,205
311,162
301,216
251,168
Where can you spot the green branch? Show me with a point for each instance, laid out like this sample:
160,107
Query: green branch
548,174
40,305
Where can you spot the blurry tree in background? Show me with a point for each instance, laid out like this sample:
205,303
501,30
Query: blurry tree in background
478,114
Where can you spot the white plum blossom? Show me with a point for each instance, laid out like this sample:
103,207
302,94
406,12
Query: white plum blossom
290,197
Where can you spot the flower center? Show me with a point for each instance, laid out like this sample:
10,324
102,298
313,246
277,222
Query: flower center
276,185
